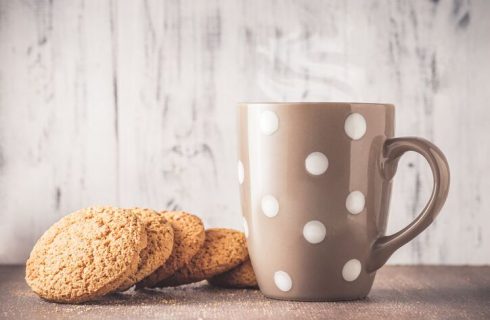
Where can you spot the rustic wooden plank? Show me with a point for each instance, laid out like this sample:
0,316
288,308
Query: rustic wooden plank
399,292
132,103
56,116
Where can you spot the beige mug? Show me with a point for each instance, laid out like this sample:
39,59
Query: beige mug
315,183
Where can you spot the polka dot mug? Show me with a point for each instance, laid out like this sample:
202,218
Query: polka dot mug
315,183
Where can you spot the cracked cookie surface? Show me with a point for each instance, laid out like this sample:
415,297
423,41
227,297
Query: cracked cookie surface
85,255
242,276
160,236
189,237
223,250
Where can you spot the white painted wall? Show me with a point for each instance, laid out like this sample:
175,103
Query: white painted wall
133,103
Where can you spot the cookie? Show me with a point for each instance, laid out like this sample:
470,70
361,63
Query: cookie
160,235
188,239
85,255
242,276
223,250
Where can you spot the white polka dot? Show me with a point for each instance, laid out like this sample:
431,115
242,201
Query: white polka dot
283,281
269,122
351,270
241,172
245,227
355,126
270,206
355,202
316,163
314,231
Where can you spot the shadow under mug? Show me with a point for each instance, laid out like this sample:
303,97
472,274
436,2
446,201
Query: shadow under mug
315,184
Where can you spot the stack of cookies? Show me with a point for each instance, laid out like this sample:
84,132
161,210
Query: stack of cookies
96,251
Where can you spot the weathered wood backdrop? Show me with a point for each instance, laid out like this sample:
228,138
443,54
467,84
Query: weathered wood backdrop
133,103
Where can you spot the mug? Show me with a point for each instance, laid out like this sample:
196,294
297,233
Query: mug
315,184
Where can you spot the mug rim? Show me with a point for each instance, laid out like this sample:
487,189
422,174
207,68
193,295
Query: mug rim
319,103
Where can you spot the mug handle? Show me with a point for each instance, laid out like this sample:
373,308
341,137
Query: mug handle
393,149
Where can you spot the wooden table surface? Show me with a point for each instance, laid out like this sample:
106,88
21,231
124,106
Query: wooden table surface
398,293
